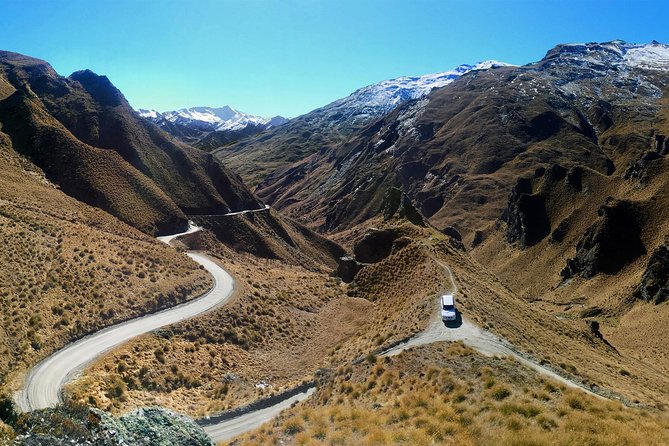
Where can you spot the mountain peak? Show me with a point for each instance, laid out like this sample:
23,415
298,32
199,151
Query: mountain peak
380,98
617,53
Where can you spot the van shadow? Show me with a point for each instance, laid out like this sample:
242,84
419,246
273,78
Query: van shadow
456,323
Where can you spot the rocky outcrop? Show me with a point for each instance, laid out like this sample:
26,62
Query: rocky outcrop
593,326
654,286
525,215
148,427
660,144
455,236
397,204
610,243
375,246
638,170
347,269
82,426
560,232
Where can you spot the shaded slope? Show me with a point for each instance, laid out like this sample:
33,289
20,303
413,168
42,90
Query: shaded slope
98,114
268,234
95,176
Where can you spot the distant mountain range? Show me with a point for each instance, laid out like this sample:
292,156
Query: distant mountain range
210,119
209,127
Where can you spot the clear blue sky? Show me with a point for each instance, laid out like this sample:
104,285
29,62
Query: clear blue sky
290,56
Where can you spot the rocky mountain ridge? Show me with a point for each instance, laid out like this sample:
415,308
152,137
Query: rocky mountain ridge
256,157
211,118
554,173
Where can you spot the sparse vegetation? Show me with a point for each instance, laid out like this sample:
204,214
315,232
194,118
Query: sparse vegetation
278,329
435,395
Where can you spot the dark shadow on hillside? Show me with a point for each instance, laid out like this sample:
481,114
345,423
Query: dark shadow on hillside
456,323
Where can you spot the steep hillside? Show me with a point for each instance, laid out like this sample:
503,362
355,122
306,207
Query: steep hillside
287,322
287,313
68,269
97,114
270,235
447,394
324,128
459,151
95,176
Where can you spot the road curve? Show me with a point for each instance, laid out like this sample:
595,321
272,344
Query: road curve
225,430
43,385
475,337
230,214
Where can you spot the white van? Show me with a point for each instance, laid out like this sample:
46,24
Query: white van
448,312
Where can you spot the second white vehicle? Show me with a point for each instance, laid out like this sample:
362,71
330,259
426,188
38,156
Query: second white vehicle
448,311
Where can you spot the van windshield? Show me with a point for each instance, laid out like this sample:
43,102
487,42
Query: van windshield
449,307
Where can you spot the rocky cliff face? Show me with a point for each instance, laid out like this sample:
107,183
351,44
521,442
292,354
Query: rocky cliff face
654,286
525,215
610,243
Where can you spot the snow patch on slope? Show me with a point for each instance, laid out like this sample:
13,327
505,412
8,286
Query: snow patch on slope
617,53
654,56
382,97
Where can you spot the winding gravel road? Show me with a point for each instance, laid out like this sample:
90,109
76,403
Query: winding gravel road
228,429
43,385
230,214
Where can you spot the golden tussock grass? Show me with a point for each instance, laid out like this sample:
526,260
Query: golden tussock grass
442,395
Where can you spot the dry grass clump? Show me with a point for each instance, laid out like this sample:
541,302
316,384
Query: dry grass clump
442,394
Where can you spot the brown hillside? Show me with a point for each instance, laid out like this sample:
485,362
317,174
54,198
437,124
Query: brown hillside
555,173
447,394
96,113
68,269
287,313
270,235
286,322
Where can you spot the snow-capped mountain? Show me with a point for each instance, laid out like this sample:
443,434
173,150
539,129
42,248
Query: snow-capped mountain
378,99
333,123
209,119
617,53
